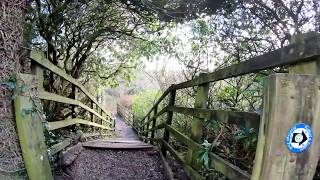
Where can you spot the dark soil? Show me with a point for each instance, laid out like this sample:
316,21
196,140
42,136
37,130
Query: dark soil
116,164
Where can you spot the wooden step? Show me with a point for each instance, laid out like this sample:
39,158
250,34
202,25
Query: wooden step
118,144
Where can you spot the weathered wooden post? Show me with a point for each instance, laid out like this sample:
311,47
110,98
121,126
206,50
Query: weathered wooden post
91,114
154,123
101,113
197,123
147,127
73,96
287,148
29,119
169,121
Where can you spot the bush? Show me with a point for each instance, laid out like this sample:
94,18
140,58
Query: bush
143,102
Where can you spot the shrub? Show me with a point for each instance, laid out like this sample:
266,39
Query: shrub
143,101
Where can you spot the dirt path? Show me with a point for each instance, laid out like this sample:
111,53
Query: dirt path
123,130
115,164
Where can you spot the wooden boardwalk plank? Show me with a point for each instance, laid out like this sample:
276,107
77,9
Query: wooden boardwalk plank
117,144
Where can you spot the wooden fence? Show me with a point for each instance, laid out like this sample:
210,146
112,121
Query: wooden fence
126,114
31,121
288,99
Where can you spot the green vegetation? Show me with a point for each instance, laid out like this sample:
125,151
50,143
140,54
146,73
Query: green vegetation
143,101
103,44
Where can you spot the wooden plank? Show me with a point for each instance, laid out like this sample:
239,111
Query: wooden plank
164,110
30,131
38,71
87,135
197,124
146,132
312,67
68,122
182,138
117,145
219,164
292,54
192,174
118,140
167,168
289,99
57,98
59,146
40,58
160,126
240,118
168,121
154,122
152,139
229,170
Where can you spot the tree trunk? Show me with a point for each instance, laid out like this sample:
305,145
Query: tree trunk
11,54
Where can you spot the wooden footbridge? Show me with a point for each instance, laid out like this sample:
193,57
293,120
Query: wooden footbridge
290,99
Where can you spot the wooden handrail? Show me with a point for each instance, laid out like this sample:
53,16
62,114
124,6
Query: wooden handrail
300,52
57,98
44,62
164,110
68,122
304,54
243,119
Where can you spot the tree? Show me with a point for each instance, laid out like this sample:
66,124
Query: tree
12,40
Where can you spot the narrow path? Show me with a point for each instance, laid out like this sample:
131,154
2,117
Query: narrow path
123,130
122,158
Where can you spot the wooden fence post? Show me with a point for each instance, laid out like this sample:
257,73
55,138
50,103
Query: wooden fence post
289,99
197,124
147,127
169,121
28,112
91,114
73,96
154,123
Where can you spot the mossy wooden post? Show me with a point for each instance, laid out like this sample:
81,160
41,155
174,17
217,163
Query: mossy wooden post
30,127
154,122
197,123
169,121
288,99
73,96
101,113
91,114
147,128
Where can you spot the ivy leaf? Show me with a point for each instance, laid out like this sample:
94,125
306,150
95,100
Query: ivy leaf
10,84
23,88
13,97
204,157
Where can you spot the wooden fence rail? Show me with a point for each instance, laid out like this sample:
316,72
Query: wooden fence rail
126,114
30,118
289,99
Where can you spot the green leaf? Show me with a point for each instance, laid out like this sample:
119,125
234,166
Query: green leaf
10,84
13,97
23,88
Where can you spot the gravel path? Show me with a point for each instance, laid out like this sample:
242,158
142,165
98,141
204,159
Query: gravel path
123,130
98,164
109,164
